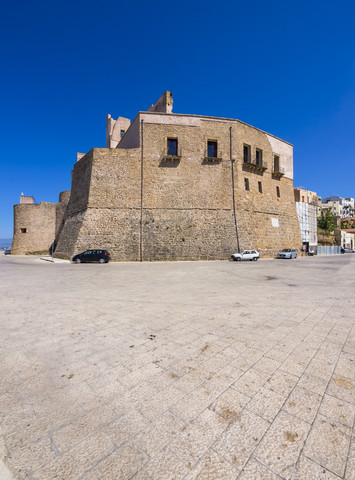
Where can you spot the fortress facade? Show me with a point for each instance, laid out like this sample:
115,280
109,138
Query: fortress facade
171,187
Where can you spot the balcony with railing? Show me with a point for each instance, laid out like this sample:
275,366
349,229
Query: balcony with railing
254,164
278,172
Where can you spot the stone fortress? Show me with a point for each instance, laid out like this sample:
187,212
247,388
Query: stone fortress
170,187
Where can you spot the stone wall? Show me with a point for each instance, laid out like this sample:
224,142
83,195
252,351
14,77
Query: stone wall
187,202
36,226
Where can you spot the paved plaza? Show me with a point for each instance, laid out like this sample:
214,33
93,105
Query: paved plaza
193,370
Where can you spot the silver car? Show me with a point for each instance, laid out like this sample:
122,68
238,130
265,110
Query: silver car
287,253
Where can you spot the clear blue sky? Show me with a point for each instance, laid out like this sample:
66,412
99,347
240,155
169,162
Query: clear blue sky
283,66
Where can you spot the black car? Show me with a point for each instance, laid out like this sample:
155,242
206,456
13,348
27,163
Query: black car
7,251
101,256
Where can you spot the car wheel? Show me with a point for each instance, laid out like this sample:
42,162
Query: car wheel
102,260
78,260
238,259
255,259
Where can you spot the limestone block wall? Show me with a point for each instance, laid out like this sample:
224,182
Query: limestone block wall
34,228
186,204
268,219
104,206
60,213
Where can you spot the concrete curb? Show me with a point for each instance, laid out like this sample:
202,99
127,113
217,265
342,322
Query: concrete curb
54,260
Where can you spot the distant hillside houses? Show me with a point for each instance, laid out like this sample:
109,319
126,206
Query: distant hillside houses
339,206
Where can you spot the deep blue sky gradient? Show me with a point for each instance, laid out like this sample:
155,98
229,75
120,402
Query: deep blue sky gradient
283,66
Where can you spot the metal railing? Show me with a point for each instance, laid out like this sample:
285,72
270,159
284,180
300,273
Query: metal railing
253,162
279,170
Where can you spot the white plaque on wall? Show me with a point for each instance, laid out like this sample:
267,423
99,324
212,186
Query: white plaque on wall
275,222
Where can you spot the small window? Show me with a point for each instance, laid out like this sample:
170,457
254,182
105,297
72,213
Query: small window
172,147
246,183
278,191
246,153
211,149
276,163
260,187
258,156
23,230
122,133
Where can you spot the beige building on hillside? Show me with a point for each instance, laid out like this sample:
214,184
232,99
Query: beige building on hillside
339,206
177,187
304,196
345,238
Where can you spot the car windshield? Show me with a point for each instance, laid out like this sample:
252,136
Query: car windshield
286,250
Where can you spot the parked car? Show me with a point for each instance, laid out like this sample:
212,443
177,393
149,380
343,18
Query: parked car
287,253
246,255
101,256
7,251
348,250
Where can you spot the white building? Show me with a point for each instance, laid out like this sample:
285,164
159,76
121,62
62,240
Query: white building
307,216
306,206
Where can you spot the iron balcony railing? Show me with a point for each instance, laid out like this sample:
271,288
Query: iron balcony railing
278,171
255,164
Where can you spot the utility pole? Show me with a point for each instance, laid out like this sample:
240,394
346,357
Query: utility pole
141,223
232,163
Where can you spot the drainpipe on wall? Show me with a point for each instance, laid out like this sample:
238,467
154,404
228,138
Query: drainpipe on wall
232,163
141,223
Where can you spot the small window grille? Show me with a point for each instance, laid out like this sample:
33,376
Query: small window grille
246,183
23,230
260,187
278,191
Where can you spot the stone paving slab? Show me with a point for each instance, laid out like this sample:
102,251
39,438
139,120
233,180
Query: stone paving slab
181,371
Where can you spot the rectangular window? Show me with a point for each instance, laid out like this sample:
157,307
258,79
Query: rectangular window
246,183
258,156
172,147
260,187
211,149
278,191
276,163
246,153
23,230
122,133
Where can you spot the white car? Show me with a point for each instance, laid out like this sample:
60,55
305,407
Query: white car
246,255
